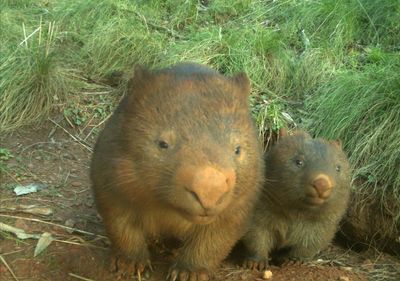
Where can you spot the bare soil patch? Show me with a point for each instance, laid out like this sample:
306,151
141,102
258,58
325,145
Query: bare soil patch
50,156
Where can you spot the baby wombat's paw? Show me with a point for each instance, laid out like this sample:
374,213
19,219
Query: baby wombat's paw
125,267
288,261
182,273
256,263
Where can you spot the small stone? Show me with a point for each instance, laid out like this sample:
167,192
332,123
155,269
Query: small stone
76,184
344,278
89,203
66,156
38,158
30,166
70,223
367,264
267,274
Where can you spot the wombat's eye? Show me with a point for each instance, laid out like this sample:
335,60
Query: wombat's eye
237,150
338,168
162,144
299,162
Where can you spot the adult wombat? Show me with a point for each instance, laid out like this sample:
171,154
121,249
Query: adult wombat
304,197
179,157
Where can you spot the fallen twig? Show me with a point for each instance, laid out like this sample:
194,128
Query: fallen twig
9,268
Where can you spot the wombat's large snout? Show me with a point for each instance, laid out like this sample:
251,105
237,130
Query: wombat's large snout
210,187
323,186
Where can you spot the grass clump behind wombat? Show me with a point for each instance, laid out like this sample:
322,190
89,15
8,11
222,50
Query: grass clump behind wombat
304,197
180,158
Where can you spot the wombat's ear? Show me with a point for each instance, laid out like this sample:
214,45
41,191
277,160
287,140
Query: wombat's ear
243,82
337,143
282,132
140,73
140,78
301,133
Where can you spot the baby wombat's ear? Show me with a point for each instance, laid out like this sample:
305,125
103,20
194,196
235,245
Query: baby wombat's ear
336,143
301,134
282,132
243,83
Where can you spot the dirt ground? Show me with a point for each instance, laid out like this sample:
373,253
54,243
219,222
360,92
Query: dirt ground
57,156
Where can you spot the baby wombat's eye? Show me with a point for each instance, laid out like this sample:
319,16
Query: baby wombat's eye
299,162
163,144
237,150
338,168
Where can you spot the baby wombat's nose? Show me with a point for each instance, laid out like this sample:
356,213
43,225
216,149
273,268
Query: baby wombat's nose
323,185
210,186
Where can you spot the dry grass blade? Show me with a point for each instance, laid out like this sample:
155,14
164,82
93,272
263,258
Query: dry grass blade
79,277
71,135
55,224
8,267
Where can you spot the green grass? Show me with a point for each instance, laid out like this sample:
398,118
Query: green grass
309,61
362,107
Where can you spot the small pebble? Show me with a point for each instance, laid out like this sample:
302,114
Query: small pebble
76,184
344,278
267,274
70,223
30,166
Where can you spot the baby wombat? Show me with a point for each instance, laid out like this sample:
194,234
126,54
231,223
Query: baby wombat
178,158
304,197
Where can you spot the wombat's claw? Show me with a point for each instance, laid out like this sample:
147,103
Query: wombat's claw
124,267
292,261
256,264
176,274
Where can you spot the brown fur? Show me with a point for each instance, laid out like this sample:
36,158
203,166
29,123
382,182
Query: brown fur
305,196
179,157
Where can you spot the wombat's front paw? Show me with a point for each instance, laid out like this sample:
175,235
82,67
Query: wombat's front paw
256,263
180,273
125,267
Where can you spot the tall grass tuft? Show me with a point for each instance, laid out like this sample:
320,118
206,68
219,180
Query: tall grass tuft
32,79
361,106
109,36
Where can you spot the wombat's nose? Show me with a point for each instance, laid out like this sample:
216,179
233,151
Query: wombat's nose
210,186
323,185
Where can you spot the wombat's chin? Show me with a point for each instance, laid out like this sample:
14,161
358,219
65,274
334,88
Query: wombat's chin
203,219
314,202
200,219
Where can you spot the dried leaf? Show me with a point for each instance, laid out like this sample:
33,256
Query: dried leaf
20,233
30,188
44,241
30,209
